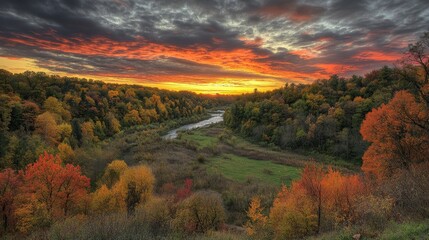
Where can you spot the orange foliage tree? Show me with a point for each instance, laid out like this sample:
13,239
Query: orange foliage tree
294,214
341,196
297,211
311,182
398,133
257,220
50,190
10,182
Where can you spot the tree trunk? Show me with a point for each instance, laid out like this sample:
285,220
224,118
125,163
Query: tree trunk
319,210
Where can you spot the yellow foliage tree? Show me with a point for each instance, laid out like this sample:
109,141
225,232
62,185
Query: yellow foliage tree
113,124
293,214
132,118
64,131
121,196
105,200
66,152
201,212
141,177
257,221
113,94
156,213
53,105
113,172
88,132
47,127
130,93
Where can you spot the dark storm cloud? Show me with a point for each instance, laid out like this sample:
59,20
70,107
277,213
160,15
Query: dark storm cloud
332,32
98,65
211,34
291,9
288,62
69,18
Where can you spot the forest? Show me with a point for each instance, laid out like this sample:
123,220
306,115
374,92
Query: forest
84,159
68,113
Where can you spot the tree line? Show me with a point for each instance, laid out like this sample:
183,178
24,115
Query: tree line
51,193
393,184
39,112
324,116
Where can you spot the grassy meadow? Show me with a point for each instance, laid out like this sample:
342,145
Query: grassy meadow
239,168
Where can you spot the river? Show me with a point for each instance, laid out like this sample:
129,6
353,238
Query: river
216,117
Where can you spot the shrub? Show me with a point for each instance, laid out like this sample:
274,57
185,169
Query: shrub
201,159
201,212
155,214
408,230
374,211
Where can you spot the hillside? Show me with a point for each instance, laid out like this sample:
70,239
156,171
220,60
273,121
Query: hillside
339,158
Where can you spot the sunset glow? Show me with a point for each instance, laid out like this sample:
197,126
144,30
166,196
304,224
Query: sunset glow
223,47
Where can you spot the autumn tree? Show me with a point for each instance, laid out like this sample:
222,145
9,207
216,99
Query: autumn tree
66,152
64,131
311,182
113,172
330,196
105,200
135,186
132,118
50,190
47,127
257,223
88,135
53,105
10,181
157,213
342,194
29,114
398,133
184,192
416,66
201,212
113,126
293,214
123,188
74,188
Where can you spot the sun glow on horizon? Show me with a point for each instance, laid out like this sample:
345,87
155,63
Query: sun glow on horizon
223,86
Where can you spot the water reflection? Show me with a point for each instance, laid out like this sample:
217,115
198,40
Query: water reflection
215,118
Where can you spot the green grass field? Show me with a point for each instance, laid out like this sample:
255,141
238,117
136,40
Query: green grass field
199,138
241,168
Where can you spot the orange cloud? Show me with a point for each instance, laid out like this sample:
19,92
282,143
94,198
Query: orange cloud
335,68
260,66
378,56
304,53
237,59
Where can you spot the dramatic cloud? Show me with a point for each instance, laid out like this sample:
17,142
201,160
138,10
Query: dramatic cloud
211,46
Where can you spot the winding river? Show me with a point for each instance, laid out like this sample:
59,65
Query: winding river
215,118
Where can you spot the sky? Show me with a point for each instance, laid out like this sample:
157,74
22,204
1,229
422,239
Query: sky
217,46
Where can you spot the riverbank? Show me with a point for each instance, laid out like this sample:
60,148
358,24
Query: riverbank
216,117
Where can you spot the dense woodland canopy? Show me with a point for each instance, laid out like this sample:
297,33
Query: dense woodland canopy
393,118
45,188
40,112
324,116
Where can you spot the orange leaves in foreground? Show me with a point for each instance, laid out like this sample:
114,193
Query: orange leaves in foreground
57,187
257,221
293,214
398,132
341,194
318,199
45,191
